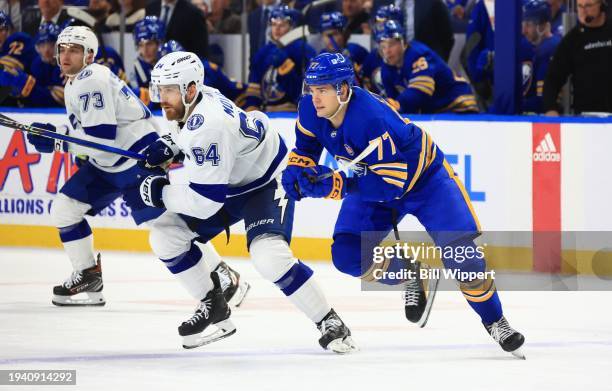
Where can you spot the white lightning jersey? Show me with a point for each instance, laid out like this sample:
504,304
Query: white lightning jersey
101,108
227,153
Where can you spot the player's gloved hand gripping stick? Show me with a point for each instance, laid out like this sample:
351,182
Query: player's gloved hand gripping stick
11,123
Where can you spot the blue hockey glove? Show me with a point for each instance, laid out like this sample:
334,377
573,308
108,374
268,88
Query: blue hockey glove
333,187
46,144
151,190
161,152
295,167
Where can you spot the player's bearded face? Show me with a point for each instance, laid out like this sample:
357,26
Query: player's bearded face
71,59
392,51
325,100
171,102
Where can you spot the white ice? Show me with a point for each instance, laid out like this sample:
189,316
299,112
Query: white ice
132,342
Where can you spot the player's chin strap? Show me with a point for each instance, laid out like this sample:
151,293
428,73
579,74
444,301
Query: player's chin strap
188,106
342,104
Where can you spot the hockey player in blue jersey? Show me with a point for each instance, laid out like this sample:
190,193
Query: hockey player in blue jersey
371,69
417,79
213,75
275,75
537,30
333,30
16,56
406,173
148,36
233,162
49,88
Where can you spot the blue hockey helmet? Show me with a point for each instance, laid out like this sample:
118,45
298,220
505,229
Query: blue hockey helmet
283,12
5,21
330,68
47,32
170,47
537,11
389,12
332,21
391,29
148,29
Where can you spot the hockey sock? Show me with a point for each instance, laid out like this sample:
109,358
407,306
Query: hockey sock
211,256
78,243
303,291
193,275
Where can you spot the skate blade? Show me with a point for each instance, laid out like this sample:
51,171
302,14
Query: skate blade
343,346
225,328
518,353
239,296
92,299
432,288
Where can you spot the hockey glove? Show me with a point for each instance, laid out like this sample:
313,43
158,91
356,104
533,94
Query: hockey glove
295,167
151,190
46,144
333,187
161,152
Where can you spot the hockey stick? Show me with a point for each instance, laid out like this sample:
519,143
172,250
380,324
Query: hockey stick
302,31
369,149
10,123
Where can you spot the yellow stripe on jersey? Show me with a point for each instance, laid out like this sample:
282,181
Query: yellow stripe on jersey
420,165
461,104
395,166
424,79
424,89
466,197
303,129
11,62
286,67
395,174
57,92
397,183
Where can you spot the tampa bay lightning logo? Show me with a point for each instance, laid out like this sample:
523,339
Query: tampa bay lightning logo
195,121
84,74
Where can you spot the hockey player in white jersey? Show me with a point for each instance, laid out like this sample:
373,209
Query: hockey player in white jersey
103,109
233,161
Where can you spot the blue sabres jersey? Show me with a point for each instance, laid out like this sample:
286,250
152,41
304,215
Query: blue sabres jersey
370,73
215,78
405,152
481,38
18,52
141,75
533,100
109,57
278,86
425,84
49,88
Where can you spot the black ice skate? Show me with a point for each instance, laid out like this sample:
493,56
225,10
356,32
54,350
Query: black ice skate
213,309
509,339
335,335
82,288
419,294
234,289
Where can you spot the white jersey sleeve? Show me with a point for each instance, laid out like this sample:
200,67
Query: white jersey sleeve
210,155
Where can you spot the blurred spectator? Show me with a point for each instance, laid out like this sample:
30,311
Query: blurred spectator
6,27
335,37
558,9
459,14
213,76
427,21
184,23
14,9
258,26
585,54
417,80
47,11
219,17
311,16
134,12
94,16
148,38
49,88
478,53
537,30
357,17
276,70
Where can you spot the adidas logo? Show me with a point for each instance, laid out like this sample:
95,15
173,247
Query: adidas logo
546,151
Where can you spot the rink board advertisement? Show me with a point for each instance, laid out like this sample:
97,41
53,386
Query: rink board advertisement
520,176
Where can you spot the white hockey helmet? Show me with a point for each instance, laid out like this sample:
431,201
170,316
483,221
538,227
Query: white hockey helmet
177,68
78,35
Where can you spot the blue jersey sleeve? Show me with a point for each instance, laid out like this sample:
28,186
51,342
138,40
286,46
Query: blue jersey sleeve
308,149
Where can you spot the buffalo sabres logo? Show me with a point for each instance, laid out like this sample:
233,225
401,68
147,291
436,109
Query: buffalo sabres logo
349,149
195,121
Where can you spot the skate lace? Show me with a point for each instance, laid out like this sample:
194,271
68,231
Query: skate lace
411,293
501,330
74,279
202,311
330,324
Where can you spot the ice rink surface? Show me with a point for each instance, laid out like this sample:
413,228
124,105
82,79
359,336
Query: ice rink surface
132,343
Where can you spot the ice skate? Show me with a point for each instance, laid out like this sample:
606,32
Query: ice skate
82,288
234,288
335,335
509,339
419,295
